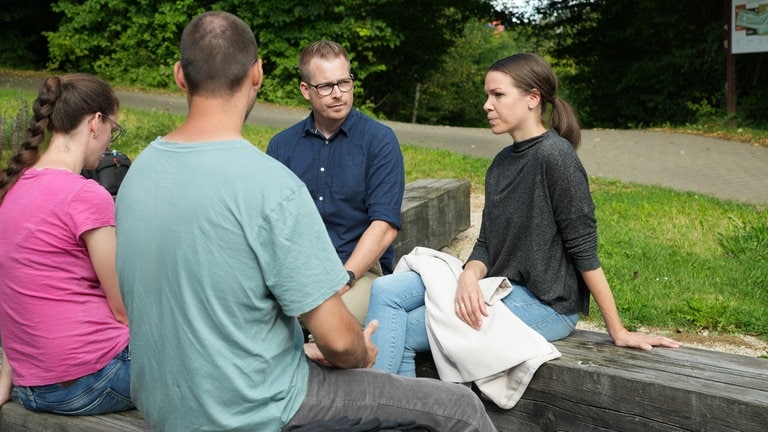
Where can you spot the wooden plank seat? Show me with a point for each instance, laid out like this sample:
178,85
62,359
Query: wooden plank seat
594,386
597,386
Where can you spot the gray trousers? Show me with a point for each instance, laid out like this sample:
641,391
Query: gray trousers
368,393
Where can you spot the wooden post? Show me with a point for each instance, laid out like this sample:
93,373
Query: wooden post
730,64
416,98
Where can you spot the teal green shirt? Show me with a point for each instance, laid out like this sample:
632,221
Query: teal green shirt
219,248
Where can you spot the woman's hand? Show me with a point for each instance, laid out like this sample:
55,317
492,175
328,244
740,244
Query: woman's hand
469,302
644,341
601,292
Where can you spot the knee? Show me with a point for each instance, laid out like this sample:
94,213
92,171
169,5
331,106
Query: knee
392,283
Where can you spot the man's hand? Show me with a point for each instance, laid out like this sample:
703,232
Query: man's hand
370,347
314,353
337,334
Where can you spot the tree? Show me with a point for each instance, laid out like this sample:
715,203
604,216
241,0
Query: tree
453,92
640,63
22,22
386,46
138,44
427,29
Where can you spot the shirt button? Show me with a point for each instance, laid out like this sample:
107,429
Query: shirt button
320,198
322,169
326,141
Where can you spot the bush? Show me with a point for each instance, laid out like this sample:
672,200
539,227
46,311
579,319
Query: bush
13,128
453,94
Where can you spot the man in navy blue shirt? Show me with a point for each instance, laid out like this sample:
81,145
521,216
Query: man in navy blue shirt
352,166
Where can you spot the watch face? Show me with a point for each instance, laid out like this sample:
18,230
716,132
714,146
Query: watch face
351,280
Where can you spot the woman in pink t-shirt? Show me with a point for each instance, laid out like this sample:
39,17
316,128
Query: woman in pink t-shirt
63,325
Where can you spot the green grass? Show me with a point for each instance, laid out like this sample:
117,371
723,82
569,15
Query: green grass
674,260
683,260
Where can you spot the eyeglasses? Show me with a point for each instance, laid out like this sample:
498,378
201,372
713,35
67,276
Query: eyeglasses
344,86
116,132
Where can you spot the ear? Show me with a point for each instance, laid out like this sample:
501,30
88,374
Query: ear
304,87
93,124
534,98
257,75
178,75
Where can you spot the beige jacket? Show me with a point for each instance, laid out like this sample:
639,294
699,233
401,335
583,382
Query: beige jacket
501,357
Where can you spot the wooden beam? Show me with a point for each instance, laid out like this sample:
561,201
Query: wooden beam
597,386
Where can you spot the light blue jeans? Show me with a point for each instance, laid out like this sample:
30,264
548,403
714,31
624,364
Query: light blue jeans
397,302
105,391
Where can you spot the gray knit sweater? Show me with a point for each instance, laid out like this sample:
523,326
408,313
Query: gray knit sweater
538,227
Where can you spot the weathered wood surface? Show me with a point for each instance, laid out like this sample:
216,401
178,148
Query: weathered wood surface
13,417
596,386
432,214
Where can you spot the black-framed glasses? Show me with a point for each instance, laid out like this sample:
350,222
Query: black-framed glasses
344,86
116,132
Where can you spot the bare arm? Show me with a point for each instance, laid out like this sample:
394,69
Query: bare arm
601,291
6,382
338,335
371,246
101,244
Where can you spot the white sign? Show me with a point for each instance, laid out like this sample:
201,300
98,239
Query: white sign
749,26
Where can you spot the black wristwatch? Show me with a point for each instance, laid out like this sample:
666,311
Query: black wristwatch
352,278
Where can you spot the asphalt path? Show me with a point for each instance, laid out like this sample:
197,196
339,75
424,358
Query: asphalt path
720,168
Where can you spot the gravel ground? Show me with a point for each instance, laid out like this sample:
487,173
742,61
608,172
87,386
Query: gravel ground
735,344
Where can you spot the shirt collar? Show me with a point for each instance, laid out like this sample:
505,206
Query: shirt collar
349,122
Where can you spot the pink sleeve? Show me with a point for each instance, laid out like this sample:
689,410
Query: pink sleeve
91,207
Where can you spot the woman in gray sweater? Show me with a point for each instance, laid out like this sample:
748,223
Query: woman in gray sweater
538,229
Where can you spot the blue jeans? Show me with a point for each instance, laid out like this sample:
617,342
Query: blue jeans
397,302
105,391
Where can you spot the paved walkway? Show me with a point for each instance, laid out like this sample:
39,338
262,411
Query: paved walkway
720,168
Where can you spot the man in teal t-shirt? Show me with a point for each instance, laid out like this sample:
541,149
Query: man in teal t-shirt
220,248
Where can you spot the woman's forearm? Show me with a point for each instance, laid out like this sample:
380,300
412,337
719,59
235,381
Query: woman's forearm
6,381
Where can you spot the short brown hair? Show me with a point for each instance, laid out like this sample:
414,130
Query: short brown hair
217,51
321,49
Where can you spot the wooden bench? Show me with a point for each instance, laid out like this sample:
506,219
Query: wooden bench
594,386
597,386
13,417
433,213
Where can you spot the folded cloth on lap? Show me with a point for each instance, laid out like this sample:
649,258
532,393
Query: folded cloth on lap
502,357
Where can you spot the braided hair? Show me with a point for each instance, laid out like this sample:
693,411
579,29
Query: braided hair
62,103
